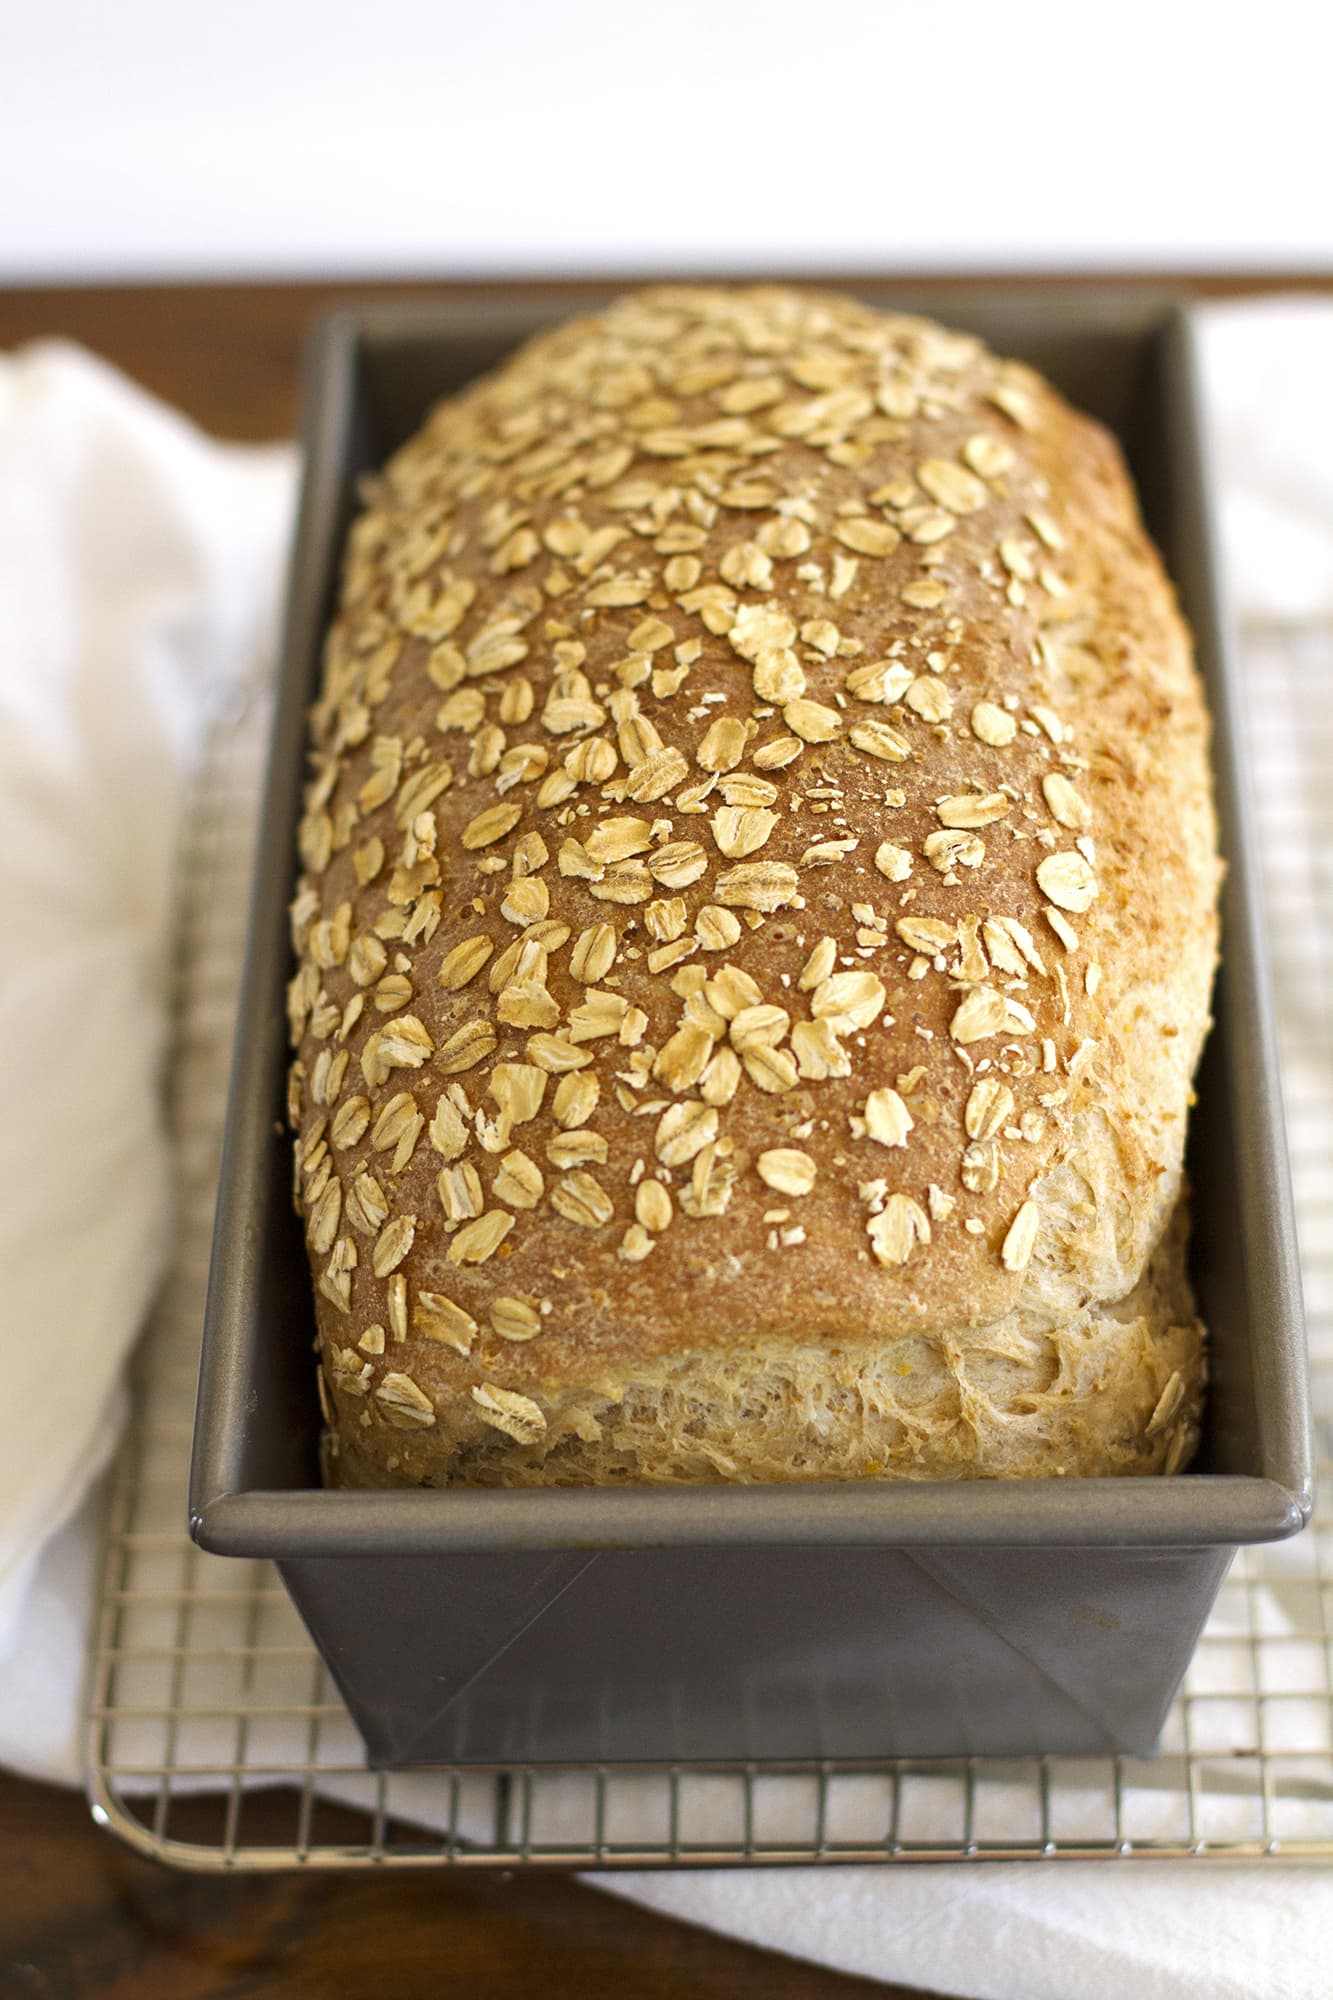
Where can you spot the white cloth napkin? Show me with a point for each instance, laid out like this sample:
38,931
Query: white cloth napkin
139,570
139,565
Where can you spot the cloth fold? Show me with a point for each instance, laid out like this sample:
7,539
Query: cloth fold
1268,391
138,570
140,567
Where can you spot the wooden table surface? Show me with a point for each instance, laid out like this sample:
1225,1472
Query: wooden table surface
79,1914
228,353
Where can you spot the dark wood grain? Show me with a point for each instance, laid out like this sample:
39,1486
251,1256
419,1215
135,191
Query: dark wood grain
227,353
80,1914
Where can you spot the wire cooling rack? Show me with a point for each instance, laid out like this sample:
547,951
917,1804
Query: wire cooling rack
219,1742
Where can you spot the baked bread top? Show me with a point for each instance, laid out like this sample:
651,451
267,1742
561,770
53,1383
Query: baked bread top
759,871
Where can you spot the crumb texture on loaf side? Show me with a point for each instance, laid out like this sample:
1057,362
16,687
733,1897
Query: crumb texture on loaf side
756,922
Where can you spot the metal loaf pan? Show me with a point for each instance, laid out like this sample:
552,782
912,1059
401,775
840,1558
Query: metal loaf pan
793,1622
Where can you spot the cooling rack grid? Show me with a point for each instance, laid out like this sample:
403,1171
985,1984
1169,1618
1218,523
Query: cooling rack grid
217,1740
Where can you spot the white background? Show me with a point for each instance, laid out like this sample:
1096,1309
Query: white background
146,137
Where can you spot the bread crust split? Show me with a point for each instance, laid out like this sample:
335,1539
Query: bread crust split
756,923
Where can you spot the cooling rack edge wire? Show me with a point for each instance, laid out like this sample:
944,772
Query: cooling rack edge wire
217,1742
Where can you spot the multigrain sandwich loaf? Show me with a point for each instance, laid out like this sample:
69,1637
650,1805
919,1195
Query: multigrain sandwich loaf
756,925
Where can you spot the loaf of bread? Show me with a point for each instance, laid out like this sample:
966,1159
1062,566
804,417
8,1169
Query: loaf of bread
756,924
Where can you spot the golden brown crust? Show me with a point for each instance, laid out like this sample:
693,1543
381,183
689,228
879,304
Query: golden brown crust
759,890
1114,1390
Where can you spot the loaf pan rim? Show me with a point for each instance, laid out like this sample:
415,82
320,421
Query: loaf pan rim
1211,1510
1203,1509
